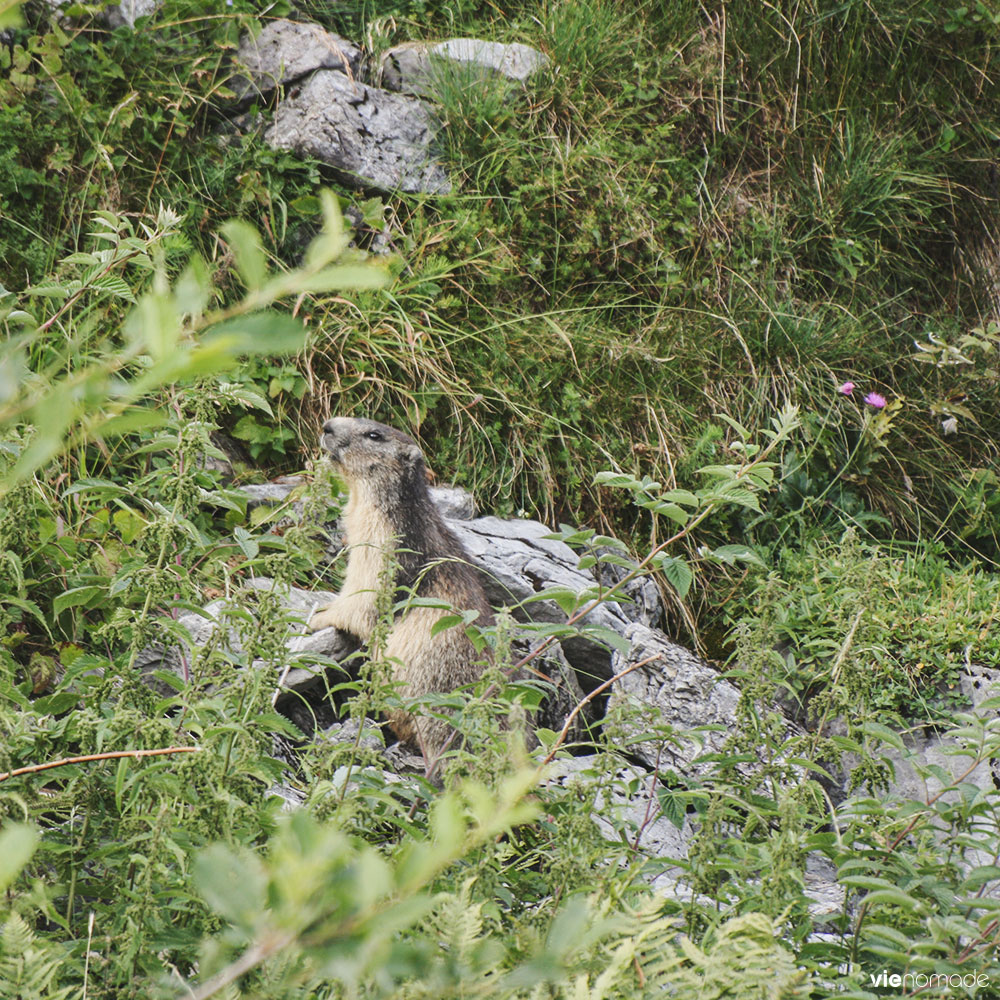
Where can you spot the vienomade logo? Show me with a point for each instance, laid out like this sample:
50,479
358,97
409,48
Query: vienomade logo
934,980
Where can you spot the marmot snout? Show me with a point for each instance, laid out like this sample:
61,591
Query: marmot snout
389,510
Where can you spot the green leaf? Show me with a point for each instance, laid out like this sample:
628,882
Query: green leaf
138,418
668,510
336,278
74,598
615,479
730,554
18,842
244,395
245,243
232,883
55,704
738,427
247,543
676,571
115,286
894,897
885,735
265,332
683,497
332,241
193,289
153,327
445,622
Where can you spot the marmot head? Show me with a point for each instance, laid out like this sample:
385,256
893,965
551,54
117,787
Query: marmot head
367,453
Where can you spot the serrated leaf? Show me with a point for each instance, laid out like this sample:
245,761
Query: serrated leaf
895,897
55,704
615,479
81,258
677,572
247,543
74,598
445,622
738,553
114,285
236,392
668,510
684,497
886,735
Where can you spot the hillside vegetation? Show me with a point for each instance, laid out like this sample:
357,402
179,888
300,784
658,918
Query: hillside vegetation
705,229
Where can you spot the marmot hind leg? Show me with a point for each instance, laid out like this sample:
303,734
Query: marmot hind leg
423,664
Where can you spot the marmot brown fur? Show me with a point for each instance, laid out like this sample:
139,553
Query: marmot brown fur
390,510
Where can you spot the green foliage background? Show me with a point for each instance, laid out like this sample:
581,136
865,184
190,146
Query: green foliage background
698,214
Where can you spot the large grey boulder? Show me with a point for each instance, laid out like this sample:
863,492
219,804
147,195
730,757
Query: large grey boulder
286,51
375,139
520,564
653,708
300,690
413,67
627,811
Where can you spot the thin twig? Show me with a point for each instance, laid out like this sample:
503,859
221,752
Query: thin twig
111,755
250,959
583,704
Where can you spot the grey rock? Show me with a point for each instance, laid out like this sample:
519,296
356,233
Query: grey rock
561,689
364,733
128,11
513,60
192,632
374,138
276,492
286,51
675,691
413,67
453,502
520,563
291,797
978,682
644,604
637,818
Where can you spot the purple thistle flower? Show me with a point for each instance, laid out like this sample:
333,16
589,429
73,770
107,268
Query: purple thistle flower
873,399
846,389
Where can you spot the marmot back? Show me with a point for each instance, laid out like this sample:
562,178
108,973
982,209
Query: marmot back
390,509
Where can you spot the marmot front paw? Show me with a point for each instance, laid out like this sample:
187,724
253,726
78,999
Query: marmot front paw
324,618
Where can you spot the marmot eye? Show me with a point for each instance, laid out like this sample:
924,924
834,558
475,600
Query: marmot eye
374,436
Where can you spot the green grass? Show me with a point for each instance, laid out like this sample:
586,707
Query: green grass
697,212
690,212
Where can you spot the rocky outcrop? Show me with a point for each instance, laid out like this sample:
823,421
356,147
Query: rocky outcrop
371,137
375,138
415,67
668,713
286,51
521,564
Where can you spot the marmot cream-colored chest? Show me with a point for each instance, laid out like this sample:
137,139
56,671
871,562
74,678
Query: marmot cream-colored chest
389,510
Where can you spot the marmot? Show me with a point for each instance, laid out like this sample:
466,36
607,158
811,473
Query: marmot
389,507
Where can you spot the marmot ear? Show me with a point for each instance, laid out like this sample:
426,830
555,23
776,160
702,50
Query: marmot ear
414,456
